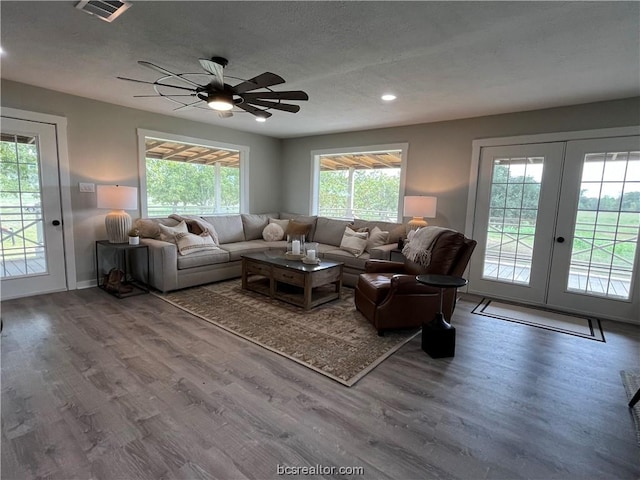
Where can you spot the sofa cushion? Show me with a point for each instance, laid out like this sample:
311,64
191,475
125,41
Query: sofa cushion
298,228
228,227
347,258
354,242
302,219
284,223
202,259
168,234
330,230
254,224
197,225
273,232
237,249
189,243
396,230
376,238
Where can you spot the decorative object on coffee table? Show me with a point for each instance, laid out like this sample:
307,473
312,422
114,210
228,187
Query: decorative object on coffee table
295,246
438,335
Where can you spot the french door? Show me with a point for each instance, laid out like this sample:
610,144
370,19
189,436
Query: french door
32,256
557,225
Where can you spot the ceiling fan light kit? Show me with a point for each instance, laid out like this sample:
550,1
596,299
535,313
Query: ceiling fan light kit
253,96
220,102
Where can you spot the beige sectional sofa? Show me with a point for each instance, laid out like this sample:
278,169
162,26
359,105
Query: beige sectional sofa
241,234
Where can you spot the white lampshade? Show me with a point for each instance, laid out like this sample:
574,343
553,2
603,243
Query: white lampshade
119,199
419,207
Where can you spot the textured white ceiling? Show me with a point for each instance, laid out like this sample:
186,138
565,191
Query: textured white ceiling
443,60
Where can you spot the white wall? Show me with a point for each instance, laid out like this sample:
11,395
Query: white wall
103,149
439,156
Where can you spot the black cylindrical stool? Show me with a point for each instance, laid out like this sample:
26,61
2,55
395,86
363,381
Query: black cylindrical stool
438,336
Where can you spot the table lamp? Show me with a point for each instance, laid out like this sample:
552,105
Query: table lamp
118,199
418,207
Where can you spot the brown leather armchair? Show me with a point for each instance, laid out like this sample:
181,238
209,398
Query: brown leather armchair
390,297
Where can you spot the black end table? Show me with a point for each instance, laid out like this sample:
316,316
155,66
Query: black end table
438,335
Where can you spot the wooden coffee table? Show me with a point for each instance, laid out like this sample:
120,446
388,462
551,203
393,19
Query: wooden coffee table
291,281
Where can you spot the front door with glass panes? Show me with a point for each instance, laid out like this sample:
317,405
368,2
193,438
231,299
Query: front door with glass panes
557,225
32,256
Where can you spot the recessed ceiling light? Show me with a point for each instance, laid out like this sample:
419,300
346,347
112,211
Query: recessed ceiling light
387,97
261,119
1,51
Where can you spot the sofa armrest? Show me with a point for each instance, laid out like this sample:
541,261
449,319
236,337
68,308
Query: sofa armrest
163,264
383,252
383,266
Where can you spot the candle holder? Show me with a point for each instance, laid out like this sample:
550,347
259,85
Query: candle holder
295,246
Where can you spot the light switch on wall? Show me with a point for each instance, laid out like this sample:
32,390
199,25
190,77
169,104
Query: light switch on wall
87,187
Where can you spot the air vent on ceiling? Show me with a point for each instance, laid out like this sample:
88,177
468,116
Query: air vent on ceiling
103,9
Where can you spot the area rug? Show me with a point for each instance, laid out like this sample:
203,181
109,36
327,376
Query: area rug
631,382
332,339
579,326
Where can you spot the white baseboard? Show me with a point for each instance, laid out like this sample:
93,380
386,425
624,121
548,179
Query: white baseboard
86,284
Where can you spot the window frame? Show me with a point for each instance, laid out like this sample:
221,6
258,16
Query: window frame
315,169
243,150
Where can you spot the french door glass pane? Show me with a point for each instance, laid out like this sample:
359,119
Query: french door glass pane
607,224
22,251
515,195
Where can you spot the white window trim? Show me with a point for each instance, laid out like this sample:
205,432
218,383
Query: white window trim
142,165
315,169
64,179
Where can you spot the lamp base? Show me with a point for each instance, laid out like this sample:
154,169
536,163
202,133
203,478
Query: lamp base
118,224
416,223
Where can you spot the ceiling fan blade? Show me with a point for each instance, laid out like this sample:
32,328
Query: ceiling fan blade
266,79
156,83
286,95
275,105
253,110
214,69
166,72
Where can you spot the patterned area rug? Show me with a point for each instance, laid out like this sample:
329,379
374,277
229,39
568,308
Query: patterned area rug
584,327
631,382
333,339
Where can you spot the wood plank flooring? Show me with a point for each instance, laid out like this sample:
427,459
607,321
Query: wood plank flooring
99,388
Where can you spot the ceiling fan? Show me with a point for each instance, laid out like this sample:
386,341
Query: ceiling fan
220,96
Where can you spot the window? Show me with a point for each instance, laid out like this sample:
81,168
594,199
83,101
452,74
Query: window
364,182
191,176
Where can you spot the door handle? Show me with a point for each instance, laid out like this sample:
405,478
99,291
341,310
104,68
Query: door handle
55,223
560,239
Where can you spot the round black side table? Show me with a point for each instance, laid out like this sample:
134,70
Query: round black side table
438,335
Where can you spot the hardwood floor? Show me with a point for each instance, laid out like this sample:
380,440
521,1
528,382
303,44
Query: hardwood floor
99,388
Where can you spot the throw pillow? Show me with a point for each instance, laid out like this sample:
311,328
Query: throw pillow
284,223
297,228
273,232
168,234
354,242
376,238
191,243
147,228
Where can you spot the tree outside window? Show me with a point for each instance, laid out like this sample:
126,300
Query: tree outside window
359,184
191,179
